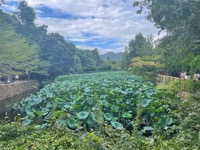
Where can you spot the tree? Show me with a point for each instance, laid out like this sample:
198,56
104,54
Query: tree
171,15
180,19
90,59
147,66
139,46
62,57
58,53
16,55
25,14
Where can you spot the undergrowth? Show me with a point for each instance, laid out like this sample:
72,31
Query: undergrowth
14,136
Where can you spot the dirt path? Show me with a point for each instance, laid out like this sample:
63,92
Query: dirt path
16,82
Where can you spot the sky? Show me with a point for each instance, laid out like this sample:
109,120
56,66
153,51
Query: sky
107,25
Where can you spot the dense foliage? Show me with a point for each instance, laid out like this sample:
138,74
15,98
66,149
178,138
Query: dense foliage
16,54
146,65
43,52
14,136
137,47
179,48
91,100
111,110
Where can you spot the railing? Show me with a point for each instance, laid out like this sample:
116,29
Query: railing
188,85
167,79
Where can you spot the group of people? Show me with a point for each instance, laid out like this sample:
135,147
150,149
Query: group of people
14,78
10,79
196,76
186,76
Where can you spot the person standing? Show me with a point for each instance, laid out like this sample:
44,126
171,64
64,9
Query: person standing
16,77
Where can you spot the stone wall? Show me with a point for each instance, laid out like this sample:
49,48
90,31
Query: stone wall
14,92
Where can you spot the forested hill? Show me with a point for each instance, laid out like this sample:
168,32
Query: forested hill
112,56
26,47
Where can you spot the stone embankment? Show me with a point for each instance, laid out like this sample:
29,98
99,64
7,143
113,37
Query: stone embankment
15,92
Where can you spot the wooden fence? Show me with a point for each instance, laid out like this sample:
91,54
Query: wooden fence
167,79
184,84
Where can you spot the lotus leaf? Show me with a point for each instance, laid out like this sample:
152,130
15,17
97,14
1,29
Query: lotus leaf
169,121
82,115
72,123
145,102
148,128
126,115
117,125
108,116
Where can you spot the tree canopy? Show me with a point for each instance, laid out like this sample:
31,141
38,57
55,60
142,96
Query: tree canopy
33,48
180,19
139,46
17,55
25,14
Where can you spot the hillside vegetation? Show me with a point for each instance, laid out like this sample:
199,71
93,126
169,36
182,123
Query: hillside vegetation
29,47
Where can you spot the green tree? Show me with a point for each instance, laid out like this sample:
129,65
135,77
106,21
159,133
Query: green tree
172,15
139,46
16,55
63,57
90,59
146,65
25,14
180,19
59,53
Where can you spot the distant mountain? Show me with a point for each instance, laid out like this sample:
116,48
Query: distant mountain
112,56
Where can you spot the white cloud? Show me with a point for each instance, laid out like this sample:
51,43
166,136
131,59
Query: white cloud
103,19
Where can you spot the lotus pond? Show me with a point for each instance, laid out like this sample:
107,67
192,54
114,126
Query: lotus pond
89,101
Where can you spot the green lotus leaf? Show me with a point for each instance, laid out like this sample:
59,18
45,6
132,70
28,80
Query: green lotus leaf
38,113
32,102
128,101
115,108
148,128
162,121
145,102
67,106
82,115
61,122
87,109
45,111
97,118
72,123
90,122
117,125
130,123
43,126
30,113
169,121
126,115
114,119
87,90
104,103
26,122
108,116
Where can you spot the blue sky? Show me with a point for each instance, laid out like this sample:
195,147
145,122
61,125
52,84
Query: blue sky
104,24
